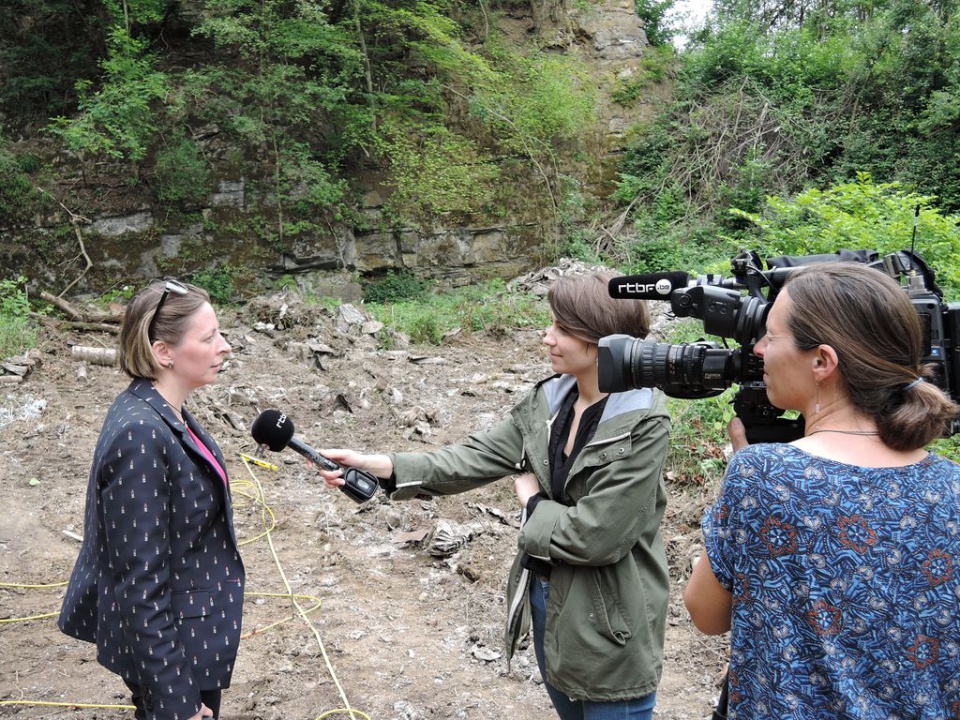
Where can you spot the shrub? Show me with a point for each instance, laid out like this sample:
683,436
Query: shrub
485,307
16,335
18,198
861,215
181,174
394,287
218,282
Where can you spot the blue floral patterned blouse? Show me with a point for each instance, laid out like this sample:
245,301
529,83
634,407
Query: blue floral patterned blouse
846,590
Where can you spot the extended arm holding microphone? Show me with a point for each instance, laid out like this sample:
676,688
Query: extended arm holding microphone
274,430
378,465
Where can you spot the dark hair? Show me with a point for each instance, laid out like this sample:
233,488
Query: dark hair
582,306
136,347
867,318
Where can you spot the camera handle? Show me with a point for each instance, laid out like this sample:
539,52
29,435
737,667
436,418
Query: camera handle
780,430
762,421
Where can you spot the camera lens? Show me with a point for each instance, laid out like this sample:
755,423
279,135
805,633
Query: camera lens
687,370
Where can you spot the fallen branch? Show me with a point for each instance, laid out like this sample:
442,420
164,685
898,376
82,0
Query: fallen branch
83,251
75,220
116,318
62,305
78,316
75,325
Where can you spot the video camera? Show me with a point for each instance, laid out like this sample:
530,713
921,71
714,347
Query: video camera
705,369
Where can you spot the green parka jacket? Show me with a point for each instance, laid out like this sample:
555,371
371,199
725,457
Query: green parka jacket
609,587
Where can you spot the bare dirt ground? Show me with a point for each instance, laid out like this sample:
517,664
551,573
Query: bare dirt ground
391,610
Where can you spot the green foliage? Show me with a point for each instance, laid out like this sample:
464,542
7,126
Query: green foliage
118,119
861,215
770,103
16,335
286,86
218,282
437,172
531,103
13,299
45,46
656,67
856,87
394,287
289,58
486,307
181,173
18,196
646,161
947,447
653,252
554,98
653,13
304,93
697,438
489,307
746,190
786,15
577,246
120,295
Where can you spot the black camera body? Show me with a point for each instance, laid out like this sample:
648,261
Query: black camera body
705,368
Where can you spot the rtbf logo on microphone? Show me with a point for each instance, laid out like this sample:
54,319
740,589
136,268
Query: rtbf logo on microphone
663,286
652,286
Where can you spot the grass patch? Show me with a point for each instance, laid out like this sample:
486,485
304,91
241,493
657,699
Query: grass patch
16,334
484,307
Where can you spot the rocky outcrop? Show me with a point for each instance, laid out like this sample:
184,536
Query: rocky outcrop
125,242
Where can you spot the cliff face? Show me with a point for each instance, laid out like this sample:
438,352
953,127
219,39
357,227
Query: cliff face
117,234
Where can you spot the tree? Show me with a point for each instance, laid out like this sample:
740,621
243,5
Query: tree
654,13
120,118
45,46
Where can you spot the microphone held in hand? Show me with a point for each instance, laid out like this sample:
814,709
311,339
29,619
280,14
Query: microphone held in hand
651,286
274,430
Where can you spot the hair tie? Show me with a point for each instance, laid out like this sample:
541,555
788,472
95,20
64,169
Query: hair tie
912,384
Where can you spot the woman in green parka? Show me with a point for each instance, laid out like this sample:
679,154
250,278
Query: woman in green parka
591,572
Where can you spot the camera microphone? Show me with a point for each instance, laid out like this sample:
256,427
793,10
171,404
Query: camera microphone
651,286
274,430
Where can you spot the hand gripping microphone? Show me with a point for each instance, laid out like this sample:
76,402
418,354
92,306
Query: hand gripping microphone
274,430
652,286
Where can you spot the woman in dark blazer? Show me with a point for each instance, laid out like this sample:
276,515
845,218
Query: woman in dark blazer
158,585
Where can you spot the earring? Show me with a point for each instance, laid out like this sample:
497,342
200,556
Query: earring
816,403
170,365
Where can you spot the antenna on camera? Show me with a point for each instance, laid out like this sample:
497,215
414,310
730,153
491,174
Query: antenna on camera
913,236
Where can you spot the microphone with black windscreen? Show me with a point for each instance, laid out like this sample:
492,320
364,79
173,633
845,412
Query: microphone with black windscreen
274,430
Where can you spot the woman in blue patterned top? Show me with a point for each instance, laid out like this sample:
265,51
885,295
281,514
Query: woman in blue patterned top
833,560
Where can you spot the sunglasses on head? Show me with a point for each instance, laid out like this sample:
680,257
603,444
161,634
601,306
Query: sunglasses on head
172,286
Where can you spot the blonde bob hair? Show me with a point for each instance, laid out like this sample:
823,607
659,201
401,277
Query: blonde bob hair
156,314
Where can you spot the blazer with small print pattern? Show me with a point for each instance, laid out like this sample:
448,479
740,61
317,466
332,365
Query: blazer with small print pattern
158,584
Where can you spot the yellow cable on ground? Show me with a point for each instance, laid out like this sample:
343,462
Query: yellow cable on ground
27,586
258,499
4,621
269,522
265,628
71,706
323,651
340,711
